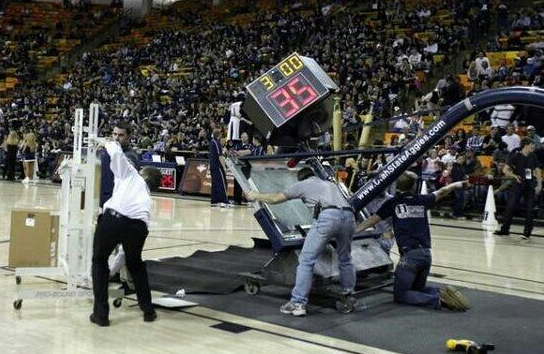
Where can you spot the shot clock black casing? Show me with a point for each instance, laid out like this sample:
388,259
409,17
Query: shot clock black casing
291,102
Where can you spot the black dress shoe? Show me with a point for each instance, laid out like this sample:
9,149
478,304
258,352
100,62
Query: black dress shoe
501,233
100,322
150,316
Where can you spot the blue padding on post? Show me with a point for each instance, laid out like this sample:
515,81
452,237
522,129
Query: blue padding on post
530,96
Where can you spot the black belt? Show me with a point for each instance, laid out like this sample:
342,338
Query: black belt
339,208
120,216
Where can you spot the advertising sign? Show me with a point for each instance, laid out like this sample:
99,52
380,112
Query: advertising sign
197,179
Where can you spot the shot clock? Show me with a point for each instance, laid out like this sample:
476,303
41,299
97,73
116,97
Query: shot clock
291,102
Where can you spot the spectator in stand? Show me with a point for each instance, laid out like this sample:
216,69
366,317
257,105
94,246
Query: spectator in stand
460,140
472,164
491,141
475,171
522,22
415,59
531,134
406,135
502,17
377,163
501,115
431,169
449,156
452,91
472,71
400,125
476,141
503,72
458,173
448,142
481,58
486,72
416,124
511,139
500,155
258,148
431,100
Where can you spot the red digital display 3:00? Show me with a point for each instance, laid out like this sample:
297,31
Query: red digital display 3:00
293,96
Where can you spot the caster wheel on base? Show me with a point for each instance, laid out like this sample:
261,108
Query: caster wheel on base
17,280
17,304
117,302
252,288
346,305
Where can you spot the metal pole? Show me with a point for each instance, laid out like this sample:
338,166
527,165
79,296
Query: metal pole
337,125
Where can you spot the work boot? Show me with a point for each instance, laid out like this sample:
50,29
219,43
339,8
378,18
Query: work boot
461,298
451,298
295,309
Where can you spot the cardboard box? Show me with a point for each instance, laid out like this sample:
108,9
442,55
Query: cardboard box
33,238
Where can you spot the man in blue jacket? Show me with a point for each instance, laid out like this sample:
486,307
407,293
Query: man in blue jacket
413,235
121,133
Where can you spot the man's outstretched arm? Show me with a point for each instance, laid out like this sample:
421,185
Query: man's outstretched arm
269,198
444,191
119,164
371,221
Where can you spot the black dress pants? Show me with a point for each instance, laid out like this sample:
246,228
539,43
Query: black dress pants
11,160
517,191
112,229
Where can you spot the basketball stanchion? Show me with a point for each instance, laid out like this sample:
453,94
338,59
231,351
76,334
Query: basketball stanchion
76,221
488,219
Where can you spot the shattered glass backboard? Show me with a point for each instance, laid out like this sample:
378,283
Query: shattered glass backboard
274,176
285,224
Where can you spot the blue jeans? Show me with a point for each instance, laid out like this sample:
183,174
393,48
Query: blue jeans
332,223
411,278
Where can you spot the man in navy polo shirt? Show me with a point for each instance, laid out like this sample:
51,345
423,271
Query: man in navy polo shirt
411,228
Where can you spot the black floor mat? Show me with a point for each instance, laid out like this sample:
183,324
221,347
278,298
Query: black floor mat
206,272
512,323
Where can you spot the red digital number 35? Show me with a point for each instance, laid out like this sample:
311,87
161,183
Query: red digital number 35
286,102
305,93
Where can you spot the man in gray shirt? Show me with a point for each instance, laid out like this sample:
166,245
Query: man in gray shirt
336,220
